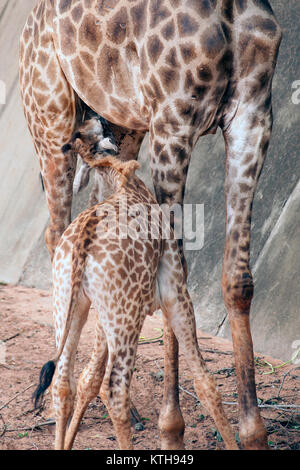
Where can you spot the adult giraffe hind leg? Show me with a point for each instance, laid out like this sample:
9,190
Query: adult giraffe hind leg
247,128
50,110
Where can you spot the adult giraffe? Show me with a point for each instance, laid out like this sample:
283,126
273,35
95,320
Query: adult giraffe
178,69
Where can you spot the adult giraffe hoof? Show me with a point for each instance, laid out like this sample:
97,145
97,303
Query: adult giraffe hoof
255,441
171,443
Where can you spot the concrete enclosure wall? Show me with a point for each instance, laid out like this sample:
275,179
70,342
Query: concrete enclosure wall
275,257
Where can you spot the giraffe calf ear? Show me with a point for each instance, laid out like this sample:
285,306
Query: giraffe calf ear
130,167
66,148
82,178
76,135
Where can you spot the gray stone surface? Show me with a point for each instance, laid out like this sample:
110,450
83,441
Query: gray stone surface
275,232
23,213
275,313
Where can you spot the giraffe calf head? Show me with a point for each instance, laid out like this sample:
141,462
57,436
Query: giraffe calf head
122,171
98,136
95,138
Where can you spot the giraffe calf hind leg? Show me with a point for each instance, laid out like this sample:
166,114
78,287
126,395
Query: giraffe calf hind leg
88,385
114,393
63,400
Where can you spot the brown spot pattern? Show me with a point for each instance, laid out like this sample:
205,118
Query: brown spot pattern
168,30
139,19
155,48
90,34
158,12
212,41
116,30
69,35
187,25
204,8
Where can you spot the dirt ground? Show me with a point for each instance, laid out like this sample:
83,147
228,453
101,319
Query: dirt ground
27,342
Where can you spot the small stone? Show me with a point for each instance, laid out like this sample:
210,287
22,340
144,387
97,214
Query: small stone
139,427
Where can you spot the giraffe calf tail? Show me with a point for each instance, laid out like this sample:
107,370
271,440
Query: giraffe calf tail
46,376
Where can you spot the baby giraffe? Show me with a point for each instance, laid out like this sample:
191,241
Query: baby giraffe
113,255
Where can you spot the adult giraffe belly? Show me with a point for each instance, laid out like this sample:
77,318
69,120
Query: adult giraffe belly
101,89
101,65
129,74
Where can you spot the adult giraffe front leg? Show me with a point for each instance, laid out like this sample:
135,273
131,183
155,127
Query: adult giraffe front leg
169,160
246,147
247,125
